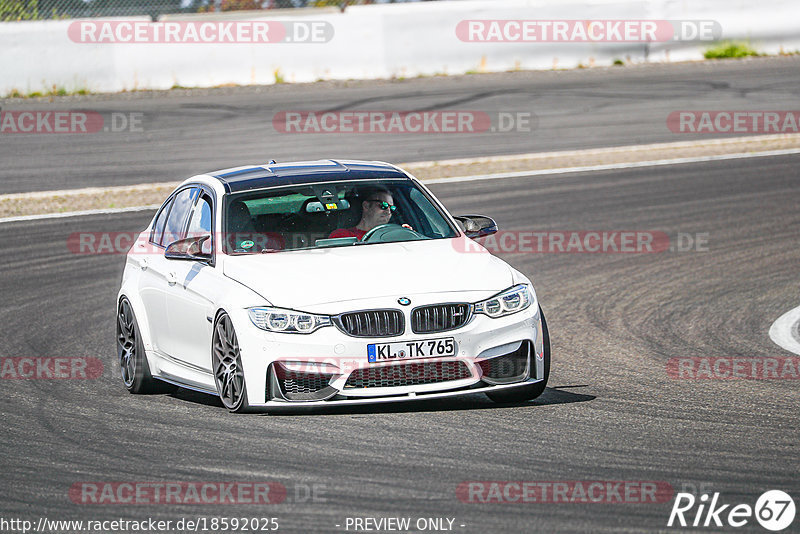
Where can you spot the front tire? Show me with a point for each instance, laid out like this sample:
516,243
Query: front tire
227,364
130,351
516,396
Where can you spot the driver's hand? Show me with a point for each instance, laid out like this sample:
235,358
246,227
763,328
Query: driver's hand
407,226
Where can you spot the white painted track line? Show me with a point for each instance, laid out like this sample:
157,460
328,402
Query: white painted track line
497,176
614,166
76,214
782,331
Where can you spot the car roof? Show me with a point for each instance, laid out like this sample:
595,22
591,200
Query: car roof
252,177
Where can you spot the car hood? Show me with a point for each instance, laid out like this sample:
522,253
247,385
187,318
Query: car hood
304,278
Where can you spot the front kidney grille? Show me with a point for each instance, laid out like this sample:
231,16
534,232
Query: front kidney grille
408,374
439,318
371,323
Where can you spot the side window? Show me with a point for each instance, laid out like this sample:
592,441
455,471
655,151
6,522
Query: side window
173,230
200,222
431,216
161,219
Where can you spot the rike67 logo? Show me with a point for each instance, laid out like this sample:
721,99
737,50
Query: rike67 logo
774,510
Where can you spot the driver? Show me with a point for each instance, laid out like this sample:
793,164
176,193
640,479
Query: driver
376,209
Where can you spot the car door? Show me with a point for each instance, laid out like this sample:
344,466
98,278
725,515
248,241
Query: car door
155,280
150,286
191,298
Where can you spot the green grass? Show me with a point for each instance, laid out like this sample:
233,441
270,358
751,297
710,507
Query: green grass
728,49
724,49
53,91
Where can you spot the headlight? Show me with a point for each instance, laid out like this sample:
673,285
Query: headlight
509,301
289,321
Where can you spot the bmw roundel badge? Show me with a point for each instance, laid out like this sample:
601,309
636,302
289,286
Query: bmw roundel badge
404,301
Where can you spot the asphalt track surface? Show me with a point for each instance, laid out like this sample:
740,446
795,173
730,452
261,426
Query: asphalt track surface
611,411
189,132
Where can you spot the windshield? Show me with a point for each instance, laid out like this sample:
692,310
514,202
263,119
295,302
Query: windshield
331,215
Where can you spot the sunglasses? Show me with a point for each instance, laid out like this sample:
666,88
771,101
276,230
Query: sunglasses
385,205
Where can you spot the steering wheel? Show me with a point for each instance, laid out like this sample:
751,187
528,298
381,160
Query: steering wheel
391,232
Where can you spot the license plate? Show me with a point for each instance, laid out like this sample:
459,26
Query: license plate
409,350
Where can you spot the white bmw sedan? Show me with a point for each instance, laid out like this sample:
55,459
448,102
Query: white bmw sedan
324,283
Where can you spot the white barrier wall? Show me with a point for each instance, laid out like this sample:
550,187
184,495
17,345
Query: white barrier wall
379,41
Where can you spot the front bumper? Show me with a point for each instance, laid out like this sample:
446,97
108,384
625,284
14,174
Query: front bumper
408,397
481,340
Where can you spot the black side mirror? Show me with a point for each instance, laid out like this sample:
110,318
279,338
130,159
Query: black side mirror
190,248
477,225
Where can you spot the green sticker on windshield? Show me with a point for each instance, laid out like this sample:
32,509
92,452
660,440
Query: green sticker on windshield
247,244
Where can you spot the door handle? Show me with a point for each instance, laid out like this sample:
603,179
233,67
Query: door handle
172,278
